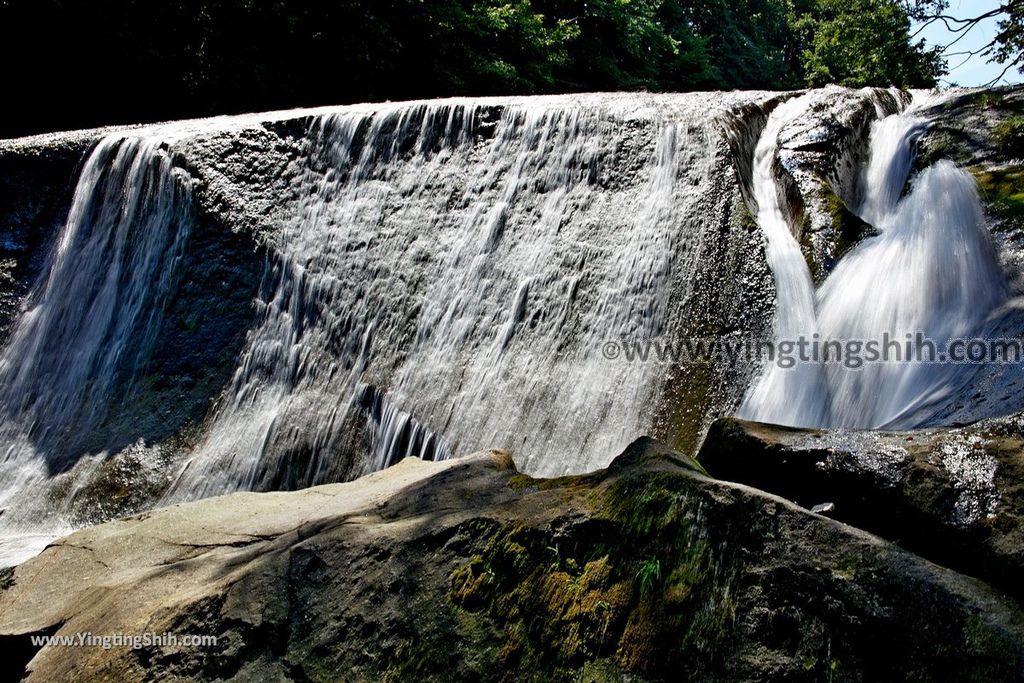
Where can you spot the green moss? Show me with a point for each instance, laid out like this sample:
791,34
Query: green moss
848,227
1009,136
1000,651
1003,191
469,582
645,507
848,572
637,586
691,397
985,100
521,483
548,604
747,220
691,599
940,144
807,247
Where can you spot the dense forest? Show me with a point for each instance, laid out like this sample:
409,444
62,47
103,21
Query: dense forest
81,63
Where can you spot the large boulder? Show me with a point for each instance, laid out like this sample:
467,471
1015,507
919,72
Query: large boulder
953,495
468,570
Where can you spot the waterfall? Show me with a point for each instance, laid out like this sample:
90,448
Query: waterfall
443,277
91,323
893,146
532,266
397,434
439,277
932,271
803,386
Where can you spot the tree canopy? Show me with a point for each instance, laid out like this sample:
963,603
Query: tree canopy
73,63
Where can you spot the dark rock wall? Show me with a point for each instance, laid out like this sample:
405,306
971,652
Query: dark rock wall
37,181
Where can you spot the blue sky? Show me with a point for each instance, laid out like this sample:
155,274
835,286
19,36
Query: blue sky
975,71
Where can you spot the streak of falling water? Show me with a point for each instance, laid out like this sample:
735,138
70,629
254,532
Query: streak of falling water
893,149
798,395
327,303
517,381
932,270
92,322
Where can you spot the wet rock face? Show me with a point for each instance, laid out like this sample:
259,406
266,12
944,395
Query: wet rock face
467,570
983,132
821,155
820,158
37,178
951,495
252,177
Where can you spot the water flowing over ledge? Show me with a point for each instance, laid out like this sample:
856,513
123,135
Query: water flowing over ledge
437,277
302,297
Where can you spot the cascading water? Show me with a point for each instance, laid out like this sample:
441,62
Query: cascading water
932,271
441,274
505,346
328,303
91,324
802,386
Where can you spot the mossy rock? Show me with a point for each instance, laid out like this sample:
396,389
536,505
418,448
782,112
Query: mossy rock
645,571
1010,136
1002,190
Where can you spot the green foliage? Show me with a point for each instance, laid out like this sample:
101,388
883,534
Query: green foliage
1006,47
863,42
109,61
649,574
1003,191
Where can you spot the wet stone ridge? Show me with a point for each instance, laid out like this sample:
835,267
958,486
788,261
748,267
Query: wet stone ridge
982,131
821,155
951,495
